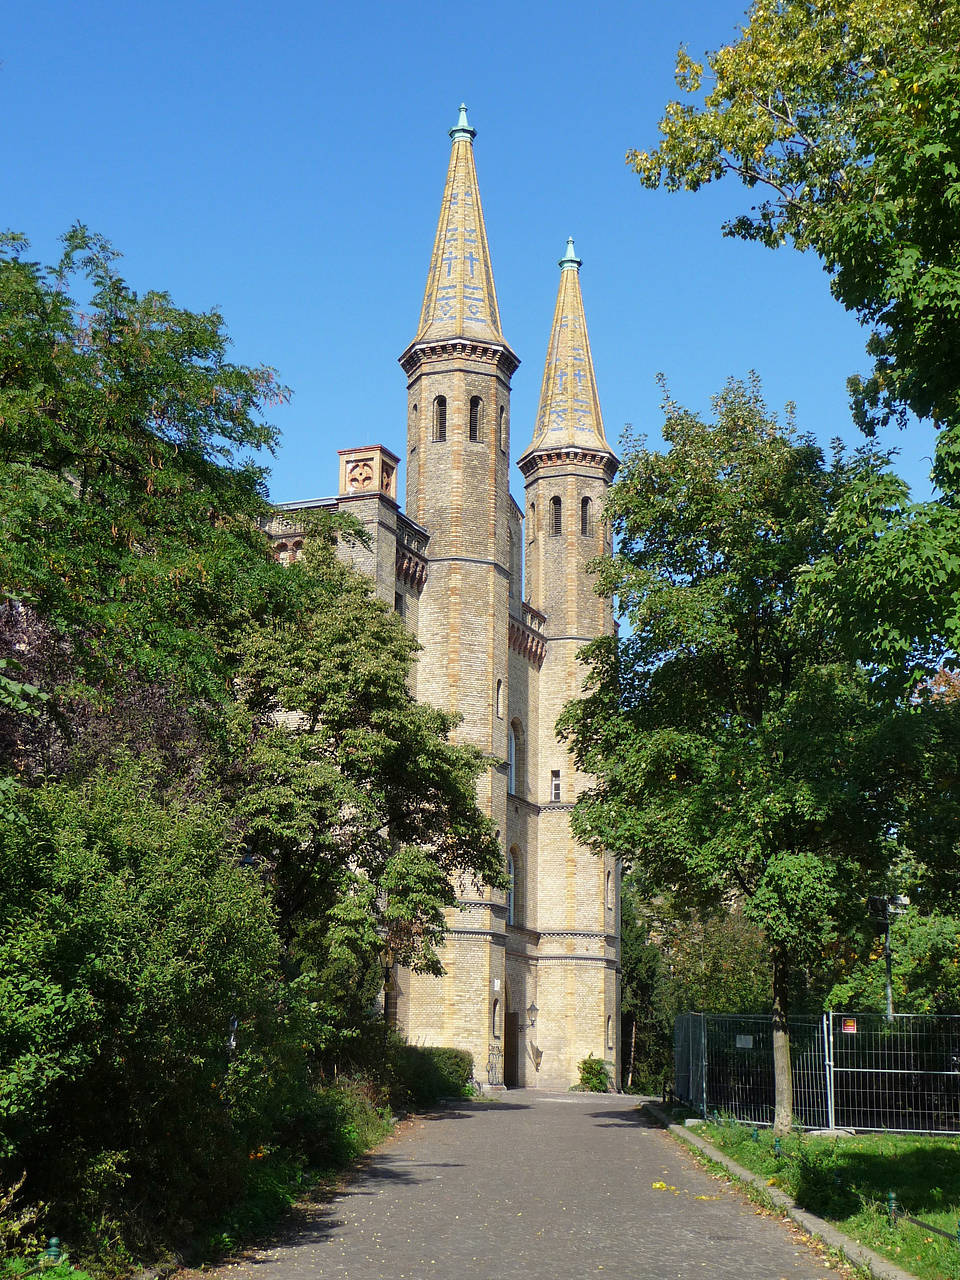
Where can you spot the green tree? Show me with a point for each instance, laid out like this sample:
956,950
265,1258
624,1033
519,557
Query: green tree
130,502
925,968
674,960
845,115
352,799
143,1010
293,816
741,757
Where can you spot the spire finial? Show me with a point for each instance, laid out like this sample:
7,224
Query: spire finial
570,259
462,128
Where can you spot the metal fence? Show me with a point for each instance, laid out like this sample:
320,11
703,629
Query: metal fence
850,1071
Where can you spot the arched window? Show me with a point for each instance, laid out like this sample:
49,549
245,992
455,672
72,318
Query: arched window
532,522
500,699
497,1020
586,517
556,517
610,1044
515,903
610,898
516,759
503,431
476,419
296,551
440,418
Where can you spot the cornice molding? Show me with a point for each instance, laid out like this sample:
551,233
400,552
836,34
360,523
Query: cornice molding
567,456
497,354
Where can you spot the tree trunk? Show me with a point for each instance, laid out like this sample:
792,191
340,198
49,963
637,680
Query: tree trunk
630,1040
782,1071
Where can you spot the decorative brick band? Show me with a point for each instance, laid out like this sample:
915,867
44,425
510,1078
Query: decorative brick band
573,933
496,938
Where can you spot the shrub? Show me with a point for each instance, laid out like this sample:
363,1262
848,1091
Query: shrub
593,1075
422,1074
454,1068
147,1039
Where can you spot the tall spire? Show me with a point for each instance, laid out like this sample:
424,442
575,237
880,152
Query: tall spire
460,300
569,413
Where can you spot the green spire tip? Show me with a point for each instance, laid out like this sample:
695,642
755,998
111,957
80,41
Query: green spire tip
570,259
462,128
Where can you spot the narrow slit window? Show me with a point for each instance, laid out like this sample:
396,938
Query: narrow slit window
503,431
586,517
476,419
515,874
500,699
555,786
516,759
556,517
440,418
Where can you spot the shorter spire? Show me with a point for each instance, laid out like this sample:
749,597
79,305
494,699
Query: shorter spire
462,128
569,413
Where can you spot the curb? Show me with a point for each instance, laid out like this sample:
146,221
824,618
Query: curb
859,1255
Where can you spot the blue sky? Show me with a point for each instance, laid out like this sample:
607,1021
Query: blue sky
285,163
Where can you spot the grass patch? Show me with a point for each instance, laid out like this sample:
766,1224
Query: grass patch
846,1180
28,1267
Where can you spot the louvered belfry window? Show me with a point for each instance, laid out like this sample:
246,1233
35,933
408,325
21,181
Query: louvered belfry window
440,418
556,517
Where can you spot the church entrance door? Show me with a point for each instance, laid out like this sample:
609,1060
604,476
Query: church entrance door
511,1050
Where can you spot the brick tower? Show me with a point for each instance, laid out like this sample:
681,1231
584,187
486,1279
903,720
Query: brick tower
458,440
567,469
530,981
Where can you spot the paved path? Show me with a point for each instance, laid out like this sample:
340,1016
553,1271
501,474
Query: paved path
534,1187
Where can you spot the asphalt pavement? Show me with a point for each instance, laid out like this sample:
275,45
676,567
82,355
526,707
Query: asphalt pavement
534,1186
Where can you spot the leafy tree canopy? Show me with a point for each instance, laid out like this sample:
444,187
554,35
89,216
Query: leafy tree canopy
220,806
349,791
741,755
130,499
847,114
925,968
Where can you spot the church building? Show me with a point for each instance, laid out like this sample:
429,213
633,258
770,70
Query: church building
500,599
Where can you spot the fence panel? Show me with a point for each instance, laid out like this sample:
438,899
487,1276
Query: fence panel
739,1067
857,1071
903,1074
